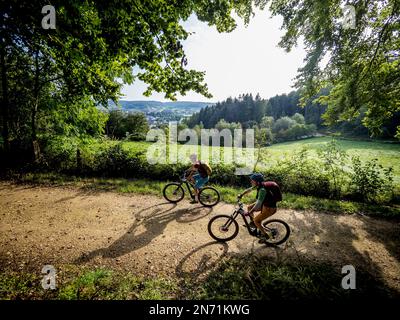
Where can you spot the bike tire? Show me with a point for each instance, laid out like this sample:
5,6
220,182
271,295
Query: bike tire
227,218
287,230
208,204
179,187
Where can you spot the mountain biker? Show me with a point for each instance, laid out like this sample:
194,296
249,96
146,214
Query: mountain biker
268,193
199,174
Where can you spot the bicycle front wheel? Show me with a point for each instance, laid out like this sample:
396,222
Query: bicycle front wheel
209,196
223,228
279,229
173,192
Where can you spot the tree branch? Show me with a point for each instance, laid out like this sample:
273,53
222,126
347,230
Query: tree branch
380,40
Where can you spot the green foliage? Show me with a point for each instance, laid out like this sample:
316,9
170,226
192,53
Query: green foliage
132,126
292,128
222,124
250,277
245,277
116,161
299,118
88,286
240,277
95,45
363,68
334,160
268,118
238,110
318,167
14,286
297,174
267,122
283,124
370,182
85,284
80,119
60,154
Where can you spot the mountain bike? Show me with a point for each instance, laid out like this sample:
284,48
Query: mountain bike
225,228
174,192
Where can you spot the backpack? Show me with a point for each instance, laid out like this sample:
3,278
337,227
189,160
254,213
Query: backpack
274,193
206,167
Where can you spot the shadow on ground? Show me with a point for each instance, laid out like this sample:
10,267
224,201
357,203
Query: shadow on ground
154,219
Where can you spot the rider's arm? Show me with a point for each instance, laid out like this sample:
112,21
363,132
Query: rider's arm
246,191
260,200
190,173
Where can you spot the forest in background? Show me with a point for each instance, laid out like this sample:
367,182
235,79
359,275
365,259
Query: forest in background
284,118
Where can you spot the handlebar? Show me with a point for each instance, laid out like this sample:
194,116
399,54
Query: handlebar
185,175
241,205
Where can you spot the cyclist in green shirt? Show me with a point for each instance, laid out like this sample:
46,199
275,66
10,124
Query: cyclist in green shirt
266,201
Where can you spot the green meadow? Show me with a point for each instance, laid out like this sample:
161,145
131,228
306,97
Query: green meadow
388,154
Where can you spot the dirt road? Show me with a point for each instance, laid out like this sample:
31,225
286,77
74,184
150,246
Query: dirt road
147,236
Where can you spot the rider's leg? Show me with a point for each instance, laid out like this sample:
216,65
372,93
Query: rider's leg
196,179
190,178
265,213
200,183
250,206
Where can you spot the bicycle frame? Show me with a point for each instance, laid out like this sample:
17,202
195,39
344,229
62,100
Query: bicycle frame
240,211
189,187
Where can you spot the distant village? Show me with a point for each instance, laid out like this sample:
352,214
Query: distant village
160,113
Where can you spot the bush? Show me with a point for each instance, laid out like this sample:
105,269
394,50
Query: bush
116,161
334,161
370,182
297,174
60,154
323,177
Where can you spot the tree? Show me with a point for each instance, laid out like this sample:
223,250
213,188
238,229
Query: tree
283,123
133,126
114,126
245,110
267,122
299,118
95,43
363,68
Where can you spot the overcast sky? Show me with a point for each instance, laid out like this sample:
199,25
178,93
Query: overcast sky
247,60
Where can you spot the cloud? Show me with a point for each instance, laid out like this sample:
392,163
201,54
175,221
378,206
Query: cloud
247,60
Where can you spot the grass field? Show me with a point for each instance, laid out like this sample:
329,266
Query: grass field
388,154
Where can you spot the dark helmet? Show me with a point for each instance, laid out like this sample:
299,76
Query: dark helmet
257,177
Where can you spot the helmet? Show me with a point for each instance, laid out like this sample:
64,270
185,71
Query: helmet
257,177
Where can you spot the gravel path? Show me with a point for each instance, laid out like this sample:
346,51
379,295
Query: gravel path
145,235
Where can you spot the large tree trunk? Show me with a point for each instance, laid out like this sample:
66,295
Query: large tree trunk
5,102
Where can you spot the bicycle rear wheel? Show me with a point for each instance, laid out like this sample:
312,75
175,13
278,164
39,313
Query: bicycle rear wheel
223,228
209,196
280,231
173,192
